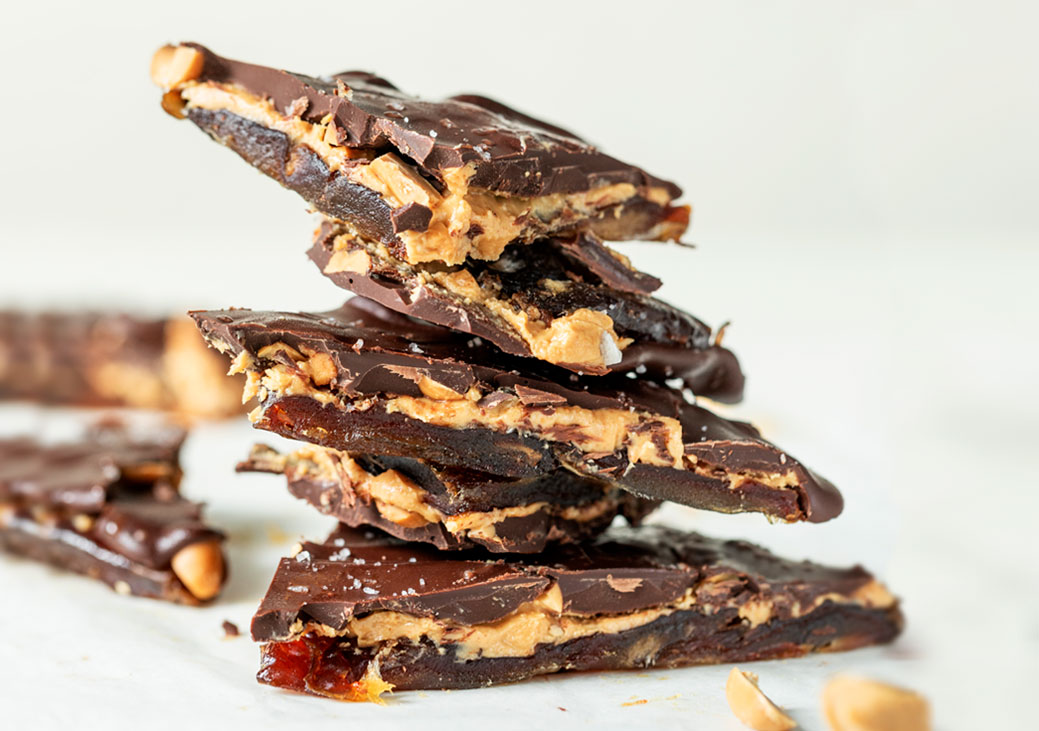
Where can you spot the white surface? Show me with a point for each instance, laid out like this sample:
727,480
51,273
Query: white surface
133,658
864,179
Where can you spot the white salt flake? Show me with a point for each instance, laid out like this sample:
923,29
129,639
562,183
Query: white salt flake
611,354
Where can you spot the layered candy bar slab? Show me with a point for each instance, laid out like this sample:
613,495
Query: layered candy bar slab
113,359
108,506
366,380
569,301
363,613
451,508
435,181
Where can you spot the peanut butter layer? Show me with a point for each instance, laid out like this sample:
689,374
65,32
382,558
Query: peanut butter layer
363,379
107,506
646,596
572,302
113,359
451,508
435,181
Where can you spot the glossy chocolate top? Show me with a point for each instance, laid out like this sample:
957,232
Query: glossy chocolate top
511,152
625,570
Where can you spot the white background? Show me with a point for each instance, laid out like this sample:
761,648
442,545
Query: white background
864,178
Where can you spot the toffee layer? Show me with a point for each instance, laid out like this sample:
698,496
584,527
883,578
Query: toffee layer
108,506
451,508
366,380
361,612
434,181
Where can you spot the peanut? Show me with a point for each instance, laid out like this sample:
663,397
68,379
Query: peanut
752,706
200,568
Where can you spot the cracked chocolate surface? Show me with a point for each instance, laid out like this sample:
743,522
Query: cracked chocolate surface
451,508
643,597
388,385
398,167
106,506
513,153
555,299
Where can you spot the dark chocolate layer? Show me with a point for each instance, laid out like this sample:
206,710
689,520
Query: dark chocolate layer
541,283
451,508
702,600
372,357
106,506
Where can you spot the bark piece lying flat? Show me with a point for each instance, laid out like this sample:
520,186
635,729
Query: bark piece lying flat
365,380
450,507
434,181
362,613
113,359
571,302
107,506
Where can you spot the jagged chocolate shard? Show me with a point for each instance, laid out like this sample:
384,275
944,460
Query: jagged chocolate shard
569,301
362,612
366,380
451,508
435,181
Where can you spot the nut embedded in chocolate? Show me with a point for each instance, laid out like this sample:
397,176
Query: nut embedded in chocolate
175,65
200,568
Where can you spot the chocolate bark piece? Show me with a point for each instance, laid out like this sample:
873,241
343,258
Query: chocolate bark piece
365,380
113,359
571,302
452,508
433,180
108,506
362,612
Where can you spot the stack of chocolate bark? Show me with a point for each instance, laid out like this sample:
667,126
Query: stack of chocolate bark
502,390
